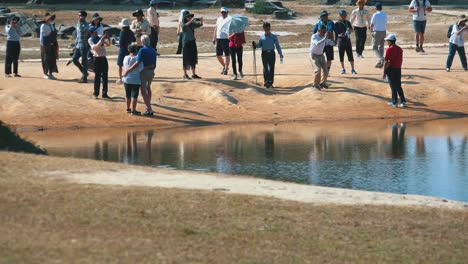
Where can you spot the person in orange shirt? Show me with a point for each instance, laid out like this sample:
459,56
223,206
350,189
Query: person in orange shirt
153,19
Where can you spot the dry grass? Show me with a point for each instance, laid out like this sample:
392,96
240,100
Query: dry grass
52,221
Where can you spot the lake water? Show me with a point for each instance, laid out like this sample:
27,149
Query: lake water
426,158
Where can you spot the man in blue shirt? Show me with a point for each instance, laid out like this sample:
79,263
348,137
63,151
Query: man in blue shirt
81,46
147,56
331,36
268,42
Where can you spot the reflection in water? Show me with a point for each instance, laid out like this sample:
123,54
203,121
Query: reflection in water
397,158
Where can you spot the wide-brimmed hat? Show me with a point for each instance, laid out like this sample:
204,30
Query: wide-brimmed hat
324,13
96,16
124,23
358,2
139,12
391,37
154,2
14,17
48,16
462,18
187,14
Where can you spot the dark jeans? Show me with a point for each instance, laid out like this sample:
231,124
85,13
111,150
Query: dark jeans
268,60
154,37
394,79
361,36
236,52
461,53
101,69
83,53
13,49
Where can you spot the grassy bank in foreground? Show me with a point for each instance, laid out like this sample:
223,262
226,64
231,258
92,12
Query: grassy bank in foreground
44,220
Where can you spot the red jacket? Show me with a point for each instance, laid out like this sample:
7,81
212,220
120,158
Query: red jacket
237,40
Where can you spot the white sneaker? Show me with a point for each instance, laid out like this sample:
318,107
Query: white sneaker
403,104
392,104
234,77
47,77
119,81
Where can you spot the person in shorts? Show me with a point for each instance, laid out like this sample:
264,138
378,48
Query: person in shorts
126,37
221,39
132,81
420,8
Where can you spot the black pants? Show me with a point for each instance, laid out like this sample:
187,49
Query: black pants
361,36
236,52
13,49
268,60
101,69
348,48
154,37
394,79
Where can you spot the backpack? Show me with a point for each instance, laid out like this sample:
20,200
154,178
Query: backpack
449,32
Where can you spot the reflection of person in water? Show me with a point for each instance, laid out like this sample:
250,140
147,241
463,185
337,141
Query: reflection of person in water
132,150
398,141
149,138
269,145
101,151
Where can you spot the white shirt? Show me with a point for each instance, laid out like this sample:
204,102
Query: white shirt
458,40
360,18
132,77
219,24
379,21
317,44
45,31
420,15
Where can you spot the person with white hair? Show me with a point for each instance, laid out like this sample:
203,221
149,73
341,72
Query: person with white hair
146,56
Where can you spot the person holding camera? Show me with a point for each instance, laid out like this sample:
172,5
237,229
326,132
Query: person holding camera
140,26
268,42
101,67
189,45
49,47
81,46
13,47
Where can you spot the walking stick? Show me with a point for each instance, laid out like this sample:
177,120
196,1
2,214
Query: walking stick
254,63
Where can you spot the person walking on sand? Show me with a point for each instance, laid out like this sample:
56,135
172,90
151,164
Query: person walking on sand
457,43
331,36
126,37
268,42
420,8
132,81
343,30
146,56
101,67
221,39
13,48
153,19
360,19
81,46
189,45
49,47
317,46
392,70
379,31
140,27
236,41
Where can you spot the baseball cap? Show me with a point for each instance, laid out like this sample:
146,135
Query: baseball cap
391,37
343,12
224,9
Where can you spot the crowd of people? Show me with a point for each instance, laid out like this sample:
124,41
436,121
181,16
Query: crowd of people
138,42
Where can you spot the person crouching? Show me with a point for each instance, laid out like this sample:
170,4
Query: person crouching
132,80
101,67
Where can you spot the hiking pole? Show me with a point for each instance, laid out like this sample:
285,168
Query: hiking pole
254,62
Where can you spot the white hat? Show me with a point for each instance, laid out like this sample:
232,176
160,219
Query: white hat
124,23
224,9
391,37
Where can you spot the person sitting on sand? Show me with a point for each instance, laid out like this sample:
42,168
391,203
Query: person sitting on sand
189,45
457,43
101,67
268,42
132,80
13,47
343,30
317,46
126,37
49,47
392,69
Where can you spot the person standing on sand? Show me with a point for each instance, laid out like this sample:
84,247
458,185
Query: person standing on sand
221,39
153,19
457,43
420,8
236,41
96,20
101,66
189,44
49,47
179,31
140,27
268,42
13,47
81,46
126,37
132,80
146,56
379,31
392,69
343,31
317,45
360,20
331,36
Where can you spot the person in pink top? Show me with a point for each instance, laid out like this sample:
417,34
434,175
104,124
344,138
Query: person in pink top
236,41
